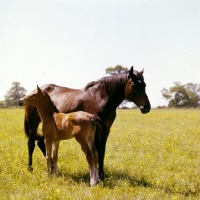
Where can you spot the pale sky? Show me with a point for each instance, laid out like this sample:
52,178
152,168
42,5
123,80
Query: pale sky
72,42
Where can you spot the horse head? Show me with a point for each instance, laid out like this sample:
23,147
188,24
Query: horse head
135,90
31,99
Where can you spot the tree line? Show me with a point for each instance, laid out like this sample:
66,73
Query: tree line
16,92
177,96
182,96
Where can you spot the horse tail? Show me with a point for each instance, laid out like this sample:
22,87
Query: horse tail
26,126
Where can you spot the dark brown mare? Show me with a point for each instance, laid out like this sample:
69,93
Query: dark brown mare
58,126
100,97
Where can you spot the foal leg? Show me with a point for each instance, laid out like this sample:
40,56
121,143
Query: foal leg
95,160
86,147
42,147
48,145
55,156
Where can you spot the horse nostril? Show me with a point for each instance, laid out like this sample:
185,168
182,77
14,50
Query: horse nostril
147,107
142,107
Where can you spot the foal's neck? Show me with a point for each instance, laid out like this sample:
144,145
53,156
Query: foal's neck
46,110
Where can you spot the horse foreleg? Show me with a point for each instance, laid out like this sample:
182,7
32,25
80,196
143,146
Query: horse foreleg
31,147
100,143
31,122
100,154
55,156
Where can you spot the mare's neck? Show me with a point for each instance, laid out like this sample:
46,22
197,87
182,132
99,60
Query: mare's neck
115,100
117,95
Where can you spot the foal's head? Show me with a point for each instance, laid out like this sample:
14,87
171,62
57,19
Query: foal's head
34,98
135,90
38,98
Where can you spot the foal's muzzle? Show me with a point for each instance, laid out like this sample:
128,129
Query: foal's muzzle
145,109
20,102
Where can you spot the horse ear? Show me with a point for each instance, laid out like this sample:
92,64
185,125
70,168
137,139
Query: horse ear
130,72
132,75
142,71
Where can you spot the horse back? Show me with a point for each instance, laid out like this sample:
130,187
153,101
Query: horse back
71,100
88,99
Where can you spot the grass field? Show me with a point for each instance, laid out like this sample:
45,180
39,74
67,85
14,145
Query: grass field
153,156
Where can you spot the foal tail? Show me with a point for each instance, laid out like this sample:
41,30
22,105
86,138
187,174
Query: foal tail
97,120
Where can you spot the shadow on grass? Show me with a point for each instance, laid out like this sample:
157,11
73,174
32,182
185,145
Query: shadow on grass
114,178
77,178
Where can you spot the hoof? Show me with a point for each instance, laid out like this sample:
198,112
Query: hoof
30,169
93,183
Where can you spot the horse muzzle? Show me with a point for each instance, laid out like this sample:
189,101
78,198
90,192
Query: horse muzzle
145,109
20,102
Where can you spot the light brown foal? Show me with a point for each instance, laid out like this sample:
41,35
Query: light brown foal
58,126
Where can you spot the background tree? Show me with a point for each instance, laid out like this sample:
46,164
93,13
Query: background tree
116,70
182,96
16,92
2,104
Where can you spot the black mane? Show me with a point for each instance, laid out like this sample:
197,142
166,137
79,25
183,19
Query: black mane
109,83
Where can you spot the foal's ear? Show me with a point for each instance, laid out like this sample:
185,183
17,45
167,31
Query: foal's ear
38,89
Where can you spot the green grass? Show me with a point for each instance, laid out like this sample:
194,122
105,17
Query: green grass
153,156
